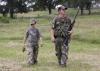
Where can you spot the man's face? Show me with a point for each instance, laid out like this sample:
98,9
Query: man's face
62,11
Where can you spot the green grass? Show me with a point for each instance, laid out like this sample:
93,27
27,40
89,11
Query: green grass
84,46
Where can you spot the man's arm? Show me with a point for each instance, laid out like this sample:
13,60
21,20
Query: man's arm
70,30
52,35
73,22
52,29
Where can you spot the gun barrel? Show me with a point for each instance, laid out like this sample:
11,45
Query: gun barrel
72,24
76,15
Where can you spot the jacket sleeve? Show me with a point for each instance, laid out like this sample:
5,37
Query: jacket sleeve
53,23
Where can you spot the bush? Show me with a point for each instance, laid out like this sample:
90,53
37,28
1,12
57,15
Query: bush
4,20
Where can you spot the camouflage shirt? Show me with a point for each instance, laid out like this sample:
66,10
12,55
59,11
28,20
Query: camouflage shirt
32,35
60,26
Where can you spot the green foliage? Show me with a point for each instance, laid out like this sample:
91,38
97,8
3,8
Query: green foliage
40,4
4,20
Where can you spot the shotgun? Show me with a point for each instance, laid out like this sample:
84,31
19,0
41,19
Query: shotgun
73,22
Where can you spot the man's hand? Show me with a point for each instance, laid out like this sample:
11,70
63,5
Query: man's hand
53,39
70,32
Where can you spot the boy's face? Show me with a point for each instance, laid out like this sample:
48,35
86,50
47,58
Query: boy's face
33,24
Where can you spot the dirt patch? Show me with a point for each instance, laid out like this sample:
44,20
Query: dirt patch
12,44
7,65
91,59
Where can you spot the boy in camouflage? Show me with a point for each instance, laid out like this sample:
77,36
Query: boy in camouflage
32,42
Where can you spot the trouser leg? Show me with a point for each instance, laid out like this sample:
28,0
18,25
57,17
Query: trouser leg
58,44
30,54
62,48
58,53
35,51
64,56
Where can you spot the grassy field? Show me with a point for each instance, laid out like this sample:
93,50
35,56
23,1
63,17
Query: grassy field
84,53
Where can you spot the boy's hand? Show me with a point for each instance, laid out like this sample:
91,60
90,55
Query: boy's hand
41,44
23,50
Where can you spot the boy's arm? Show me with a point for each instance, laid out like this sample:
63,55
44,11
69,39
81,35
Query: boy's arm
25,39
40,39
41,42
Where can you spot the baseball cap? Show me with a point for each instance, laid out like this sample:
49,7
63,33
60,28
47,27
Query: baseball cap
33,22
59,7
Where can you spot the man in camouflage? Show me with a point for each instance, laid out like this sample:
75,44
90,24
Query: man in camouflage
32,42
60,35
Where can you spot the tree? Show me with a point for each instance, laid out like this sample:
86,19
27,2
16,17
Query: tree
11,6
41,4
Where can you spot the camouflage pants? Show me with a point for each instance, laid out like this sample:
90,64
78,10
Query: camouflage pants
32,53
61,48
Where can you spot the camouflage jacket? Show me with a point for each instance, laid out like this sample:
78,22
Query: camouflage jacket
60,26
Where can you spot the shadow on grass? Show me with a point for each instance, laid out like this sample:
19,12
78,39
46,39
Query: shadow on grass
86,40
37,17
12,38
95,13
41,65
47,38
79,38
71,66
92,14
76,37
78,65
